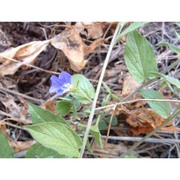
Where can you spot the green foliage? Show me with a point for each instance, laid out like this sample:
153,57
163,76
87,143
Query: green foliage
55,137
177,35
96,134
5,150
169,79
103,125
105,122
63,107
114,120
133,26
58,137
139,57
83,89
39,115
162,108
94,130
39,151
178,24
173,47
172,80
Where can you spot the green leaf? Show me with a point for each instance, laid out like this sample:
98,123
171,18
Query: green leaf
177,35
114,120
39,115
178,24
58,137
63,107
139,57
83,89
39,151
132,27
102,125
5,150
173,47
162,108
94,130
96,134
170,79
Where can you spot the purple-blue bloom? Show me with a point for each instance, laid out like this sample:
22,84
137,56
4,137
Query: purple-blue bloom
61,84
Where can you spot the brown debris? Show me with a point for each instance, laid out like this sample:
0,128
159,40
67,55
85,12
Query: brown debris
145,120
22,56
70,42
109,150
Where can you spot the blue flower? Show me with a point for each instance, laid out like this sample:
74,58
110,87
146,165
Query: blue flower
61,84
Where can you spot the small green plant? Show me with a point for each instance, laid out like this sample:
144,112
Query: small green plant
53,133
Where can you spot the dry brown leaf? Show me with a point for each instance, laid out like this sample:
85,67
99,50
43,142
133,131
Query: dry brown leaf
50,105
19,146
24,54
146,120
94,29
129,84
17,111
70,42
3,127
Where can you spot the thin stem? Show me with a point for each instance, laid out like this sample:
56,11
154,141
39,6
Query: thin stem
109,127
136,100
98,90
149,140
150,81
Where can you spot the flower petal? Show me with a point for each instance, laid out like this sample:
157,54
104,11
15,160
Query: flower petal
65,77
60,84
55,84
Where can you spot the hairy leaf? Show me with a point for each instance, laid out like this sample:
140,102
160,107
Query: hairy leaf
39,115
84,90
58,137
63,107
39,151
139,57
162,108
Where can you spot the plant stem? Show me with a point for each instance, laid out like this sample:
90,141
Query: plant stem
98,90
137,100
150,81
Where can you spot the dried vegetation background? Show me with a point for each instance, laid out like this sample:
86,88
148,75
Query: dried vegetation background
35,51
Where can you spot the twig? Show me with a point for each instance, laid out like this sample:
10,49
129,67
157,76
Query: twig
20,94
150,140
13,125
109,127
23,63
97,91
136,100
14,119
